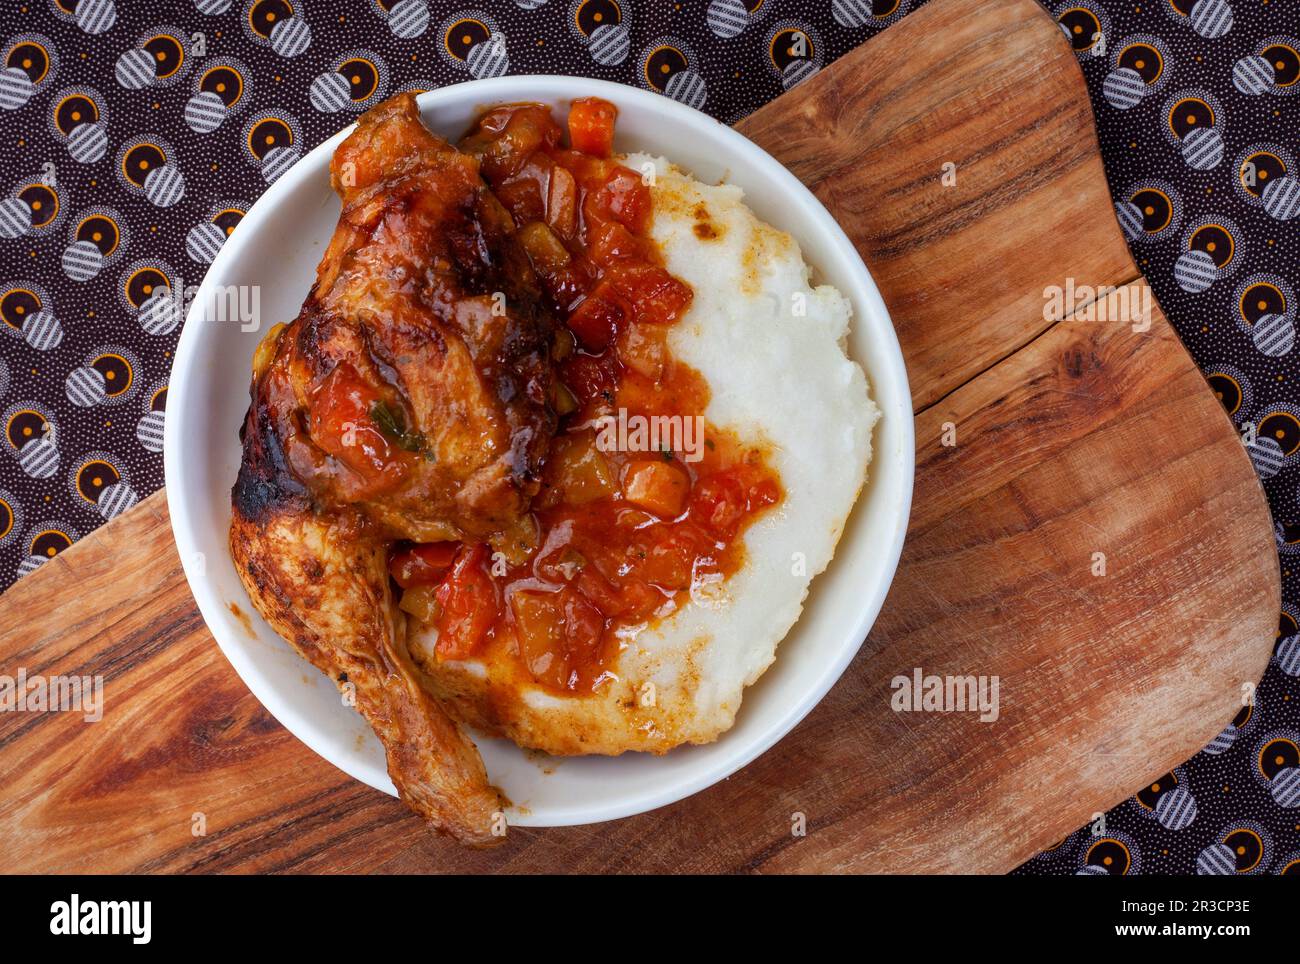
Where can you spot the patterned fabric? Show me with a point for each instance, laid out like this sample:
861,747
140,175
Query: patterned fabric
1200,131
136,134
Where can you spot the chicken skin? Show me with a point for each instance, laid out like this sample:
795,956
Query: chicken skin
409,400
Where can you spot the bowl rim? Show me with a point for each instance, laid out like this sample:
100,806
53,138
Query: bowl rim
508,89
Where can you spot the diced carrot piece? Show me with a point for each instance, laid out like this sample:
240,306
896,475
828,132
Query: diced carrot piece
641,394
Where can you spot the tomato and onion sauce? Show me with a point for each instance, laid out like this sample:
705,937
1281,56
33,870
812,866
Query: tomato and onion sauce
617,538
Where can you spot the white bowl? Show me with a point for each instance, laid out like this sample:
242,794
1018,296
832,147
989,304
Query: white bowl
277,247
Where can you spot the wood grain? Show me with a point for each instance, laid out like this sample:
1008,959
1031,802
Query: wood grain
1072,438
984,87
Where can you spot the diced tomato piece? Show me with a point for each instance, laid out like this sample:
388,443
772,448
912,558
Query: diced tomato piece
640,599
424,564
634,599
719,503
591,376
670,561
761,489
591,126
343,425
624,198
467,600
583,626
657,486
609,241
596,321
654,295
523,198
761,494
557,633
504,138
599,590
569,285
642,348
561,563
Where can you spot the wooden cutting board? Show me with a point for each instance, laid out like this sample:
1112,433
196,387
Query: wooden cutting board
1073,437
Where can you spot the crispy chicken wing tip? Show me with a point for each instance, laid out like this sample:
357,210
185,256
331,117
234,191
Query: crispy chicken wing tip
327,593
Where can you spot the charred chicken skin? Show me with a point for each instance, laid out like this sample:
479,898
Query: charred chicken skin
409,400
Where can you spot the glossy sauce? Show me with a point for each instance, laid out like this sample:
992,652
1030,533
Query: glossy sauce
619,538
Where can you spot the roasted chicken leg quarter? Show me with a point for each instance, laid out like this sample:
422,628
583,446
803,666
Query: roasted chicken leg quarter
409,400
